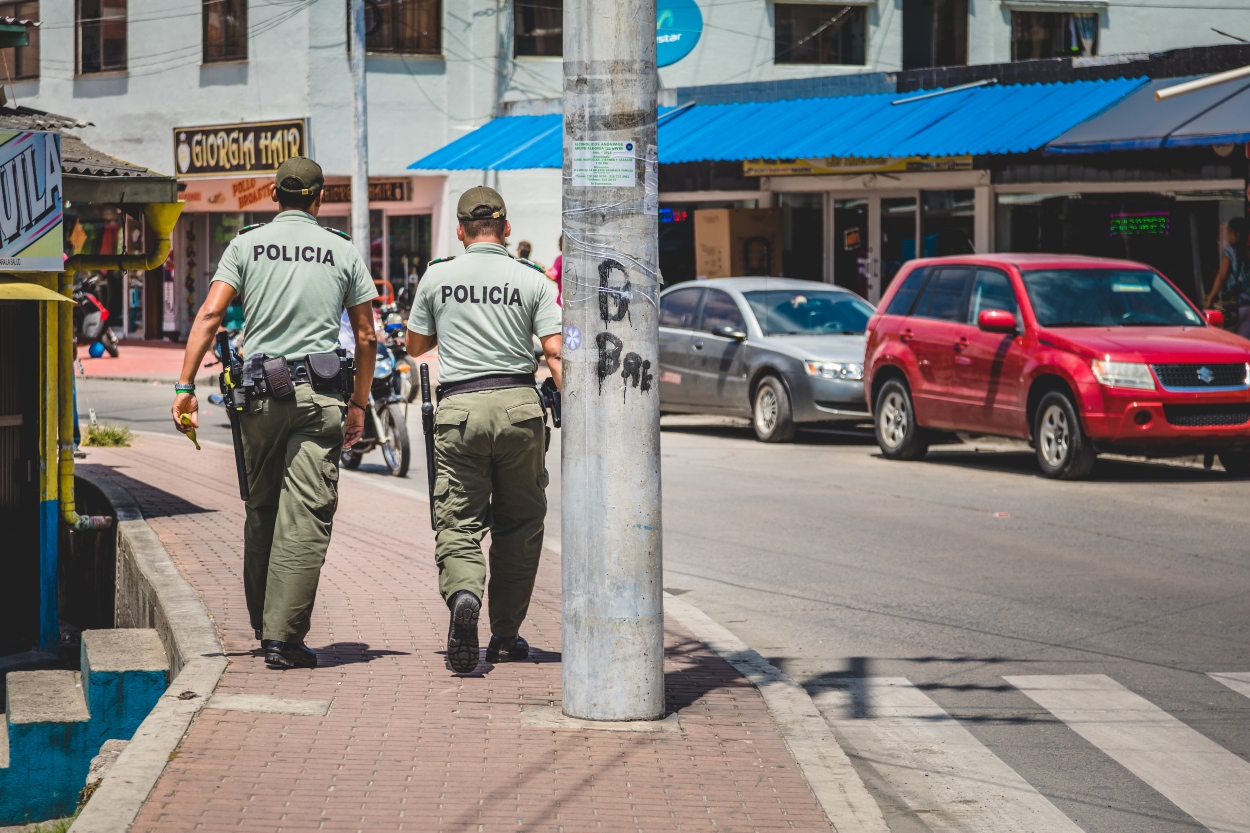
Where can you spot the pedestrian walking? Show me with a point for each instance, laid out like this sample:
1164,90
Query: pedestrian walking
1230,293
556,272
485,308
295,278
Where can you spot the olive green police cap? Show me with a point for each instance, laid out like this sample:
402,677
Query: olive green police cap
480,203
304,171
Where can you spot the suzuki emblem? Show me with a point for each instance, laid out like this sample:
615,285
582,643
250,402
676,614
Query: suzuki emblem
1205,375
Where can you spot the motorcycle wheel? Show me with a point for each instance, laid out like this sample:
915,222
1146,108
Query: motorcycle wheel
350,460
110,343
412,383
395,446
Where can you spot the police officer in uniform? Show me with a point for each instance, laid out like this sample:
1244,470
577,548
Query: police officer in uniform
485,307
295,278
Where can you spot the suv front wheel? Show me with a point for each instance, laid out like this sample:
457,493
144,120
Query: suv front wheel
1063,450
898,435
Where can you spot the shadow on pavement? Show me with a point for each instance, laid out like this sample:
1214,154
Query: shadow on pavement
698,673
1024,463
350,653
155,503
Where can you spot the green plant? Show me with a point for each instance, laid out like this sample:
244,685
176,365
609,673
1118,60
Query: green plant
51,826
107,435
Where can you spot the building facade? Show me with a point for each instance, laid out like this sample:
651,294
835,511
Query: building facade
153,76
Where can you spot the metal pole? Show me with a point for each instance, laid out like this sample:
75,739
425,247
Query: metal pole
360,135
613,626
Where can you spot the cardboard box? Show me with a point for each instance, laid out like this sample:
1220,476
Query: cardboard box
737,242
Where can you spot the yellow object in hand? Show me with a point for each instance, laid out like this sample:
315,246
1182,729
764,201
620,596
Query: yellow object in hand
186,420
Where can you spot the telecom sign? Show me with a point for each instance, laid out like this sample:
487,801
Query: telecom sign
31,214
678,24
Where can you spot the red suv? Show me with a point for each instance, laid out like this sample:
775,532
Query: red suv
1078,355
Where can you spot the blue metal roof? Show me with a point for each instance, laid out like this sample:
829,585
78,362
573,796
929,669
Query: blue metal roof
981,120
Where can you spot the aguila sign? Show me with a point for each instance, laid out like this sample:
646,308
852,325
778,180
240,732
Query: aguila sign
31,213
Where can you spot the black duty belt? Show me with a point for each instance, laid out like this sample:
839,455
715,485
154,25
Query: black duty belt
495,382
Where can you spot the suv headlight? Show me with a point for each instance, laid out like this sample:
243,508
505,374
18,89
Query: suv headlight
849,371
1123,374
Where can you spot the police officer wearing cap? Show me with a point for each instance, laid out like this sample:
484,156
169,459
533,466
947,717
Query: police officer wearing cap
485,307
295,278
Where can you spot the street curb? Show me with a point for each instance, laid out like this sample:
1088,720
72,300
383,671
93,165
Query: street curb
197,662
833,780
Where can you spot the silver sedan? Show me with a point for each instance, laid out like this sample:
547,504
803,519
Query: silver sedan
780,352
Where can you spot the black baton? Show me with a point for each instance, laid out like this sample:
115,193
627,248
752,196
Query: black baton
427,425
233,399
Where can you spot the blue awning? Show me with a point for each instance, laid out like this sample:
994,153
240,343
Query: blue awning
980,120
1212,116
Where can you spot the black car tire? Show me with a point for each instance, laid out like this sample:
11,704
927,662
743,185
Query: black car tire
898,435
771,416
1236,463
1063,450
350,460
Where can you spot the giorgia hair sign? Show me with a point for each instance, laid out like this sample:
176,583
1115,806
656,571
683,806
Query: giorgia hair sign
238,149
31,213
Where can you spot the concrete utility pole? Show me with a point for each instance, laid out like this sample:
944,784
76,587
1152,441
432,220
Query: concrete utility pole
613,634
360,135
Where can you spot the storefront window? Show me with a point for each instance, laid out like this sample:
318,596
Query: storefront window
677,254
1036,35
850,245
408,247
819,33
98,230
898,236
539,27
947,223
1176,234
803,236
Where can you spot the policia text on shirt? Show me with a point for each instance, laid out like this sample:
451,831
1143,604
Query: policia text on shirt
295,279
485,308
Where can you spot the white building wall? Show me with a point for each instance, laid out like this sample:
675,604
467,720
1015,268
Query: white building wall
298,67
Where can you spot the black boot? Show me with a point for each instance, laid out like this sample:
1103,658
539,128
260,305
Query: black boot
288,654
507,649
462,635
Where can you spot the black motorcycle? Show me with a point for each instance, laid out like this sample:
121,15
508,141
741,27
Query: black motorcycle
386,424
91,315
395,331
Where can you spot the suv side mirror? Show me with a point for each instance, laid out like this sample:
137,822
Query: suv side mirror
729,332
996,321
1214,317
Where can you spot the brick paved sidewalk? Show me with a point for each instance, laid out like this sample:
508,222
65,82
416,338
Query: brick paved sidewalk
406,744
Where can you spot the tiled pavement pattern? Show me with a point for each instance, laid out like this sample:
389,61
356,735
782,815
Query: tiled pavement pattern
407,745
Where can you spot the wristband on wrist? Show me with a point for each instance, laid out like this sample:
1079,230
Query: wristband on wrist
357,404
182,387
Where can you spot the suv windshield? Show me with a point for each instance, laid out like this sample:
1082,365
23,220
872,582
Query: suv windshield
1106,298
800,312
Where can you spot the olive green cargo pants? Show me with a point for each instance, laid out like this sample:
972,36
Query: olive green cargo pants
292,448
491,477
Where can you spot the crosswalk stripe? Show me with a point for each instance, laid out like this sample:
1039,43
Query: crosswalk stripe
1193,772
1238,681
935,765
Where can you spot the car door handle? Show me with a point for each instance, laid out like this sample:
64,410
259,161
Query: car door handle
698,345
906,336
961,344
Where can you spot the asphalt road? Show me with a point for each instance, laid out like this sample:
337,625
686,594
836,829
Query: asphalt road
954,586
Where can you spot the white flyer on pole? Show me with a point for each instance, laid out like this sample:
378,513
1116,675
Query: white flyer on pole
604,164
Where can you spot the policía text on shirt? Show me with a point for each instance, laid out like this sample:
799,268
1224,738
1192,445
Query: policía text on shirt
468,294
308,254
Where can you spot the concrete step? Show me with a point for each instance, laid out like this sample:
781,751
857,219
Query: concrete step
56,721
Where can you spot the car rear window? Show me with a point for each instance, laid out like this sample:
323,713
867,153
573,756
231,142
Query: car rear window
901,303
